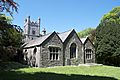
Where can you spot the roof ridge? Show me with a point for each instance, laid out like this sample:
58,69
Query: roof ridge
47,34
66,31
38,37
42,38
63,36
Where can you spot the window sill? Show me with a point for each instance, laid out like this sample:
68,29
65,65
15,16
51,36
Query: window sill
73,58
54,60
88,59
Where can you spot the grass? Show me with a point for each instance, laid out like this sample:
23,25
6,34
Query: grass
11,65
63,73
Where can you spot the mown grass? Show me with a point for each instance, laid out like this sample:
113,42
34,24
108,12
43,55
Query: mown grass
63,73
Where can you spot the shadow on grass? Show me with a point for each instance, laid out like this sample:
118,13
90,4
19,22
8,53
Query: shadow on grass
11,65
12,75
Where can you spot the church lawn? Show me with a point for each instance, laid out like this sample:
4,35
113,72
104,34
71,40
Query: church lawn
63,73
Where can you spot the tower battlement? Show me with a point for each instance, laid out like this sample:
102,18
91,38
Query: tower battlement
31,29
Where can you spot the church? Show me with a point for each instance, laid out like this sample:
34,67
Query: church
55,49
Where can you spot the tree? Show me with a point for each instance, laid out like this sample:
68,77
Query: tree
89,32
10,35
10,39
107,42
9,6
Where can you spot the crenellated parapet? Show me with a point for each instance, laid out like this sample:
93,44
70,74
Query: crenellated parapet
31,29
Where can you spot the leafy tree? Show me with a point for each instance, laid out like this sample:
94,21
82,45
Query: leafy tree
89,32
10,35
8,6
85,32
10,39
107,42
92,35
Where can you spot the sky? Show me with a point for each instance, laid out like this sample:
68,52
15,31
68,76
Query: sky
63,15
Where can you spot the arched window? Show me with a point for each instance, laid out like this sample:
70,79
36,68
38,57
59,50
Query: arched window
73,50
34,57
25,55
35,50
25,50
33,32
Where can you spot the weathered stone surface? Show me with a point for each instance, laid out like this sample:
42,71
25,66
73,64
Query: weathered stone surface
89,45
45,53
63,41
73,38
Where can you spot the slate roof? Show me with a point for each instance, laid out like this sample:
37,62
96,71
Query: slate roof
64,35
83,40
38,41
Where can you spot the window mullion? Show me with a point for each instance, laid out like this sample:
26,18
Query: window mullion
52,53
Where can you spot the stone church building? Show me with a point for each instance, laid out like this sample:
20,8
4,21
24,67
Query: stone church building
55,49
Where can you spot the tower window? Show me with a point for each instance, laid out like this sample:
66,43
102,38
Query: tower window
33,31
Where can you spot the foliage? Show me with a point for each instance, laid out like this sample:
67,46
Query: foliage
10,39
5,18
63,73
89,32
9,6
85,32
112,18
9,35
11,65
108,38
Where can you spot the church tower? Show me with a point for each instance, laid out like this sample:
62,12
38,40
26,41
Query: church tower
31,29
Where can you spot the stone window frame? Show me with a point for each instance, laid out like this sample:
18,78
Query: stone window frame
35,50
25,54
74,55
88,54
54,53
34,56
33,31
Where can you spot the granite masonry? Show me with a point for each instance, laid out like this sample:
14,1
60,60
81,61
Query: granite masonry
55,49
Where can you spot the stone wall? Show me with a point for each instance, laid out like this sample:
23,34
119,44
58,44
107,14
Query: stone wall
42,56
73,38
45,61
28,56
89,45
